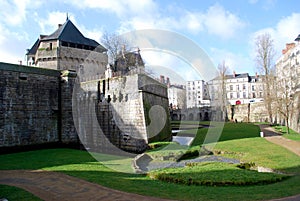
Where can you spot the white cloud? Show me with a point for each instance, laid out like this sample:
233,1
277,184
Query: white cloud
95,33
13,13
169,65
234,61
222,23
285,31
50,23
216,20
119,7
12,45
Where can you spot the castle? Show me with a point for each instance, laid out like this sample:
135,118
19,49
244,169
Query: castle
63,97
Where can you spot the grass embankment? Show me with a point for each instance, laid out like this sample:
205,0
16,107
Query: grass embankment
80,164
293,135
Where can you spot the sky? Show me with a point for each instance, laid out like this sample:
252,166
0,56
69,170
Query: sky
225,30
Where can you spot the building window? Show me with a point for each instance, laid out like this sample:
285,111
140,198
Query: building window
253,95
50,46
231,87
260,94
253,88
231,95
244,94
237,87
244,86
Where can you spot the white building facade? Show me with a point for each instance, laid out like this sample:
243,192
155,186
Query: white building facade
288,81
239,89
197,94
177,96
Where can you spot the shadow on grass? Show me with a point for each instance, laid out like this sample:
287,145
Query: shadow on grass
80,164
144,185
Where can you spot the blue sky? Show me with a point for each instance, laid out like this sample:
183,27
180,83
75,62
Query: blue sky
224,29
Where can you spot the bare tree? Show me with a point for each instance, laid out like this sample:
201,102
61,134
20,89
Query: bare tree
264,60
114,44
222,95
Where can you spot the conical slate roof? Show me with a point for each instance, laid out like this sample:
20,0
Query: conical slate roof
68,33
298,38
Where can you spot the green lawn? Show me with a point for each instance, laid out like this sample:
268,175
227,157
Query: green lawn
293,135
215,174
230,131
14,193
249,148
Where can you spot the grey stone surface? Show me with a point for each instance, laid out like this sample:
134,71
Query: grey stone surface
145,163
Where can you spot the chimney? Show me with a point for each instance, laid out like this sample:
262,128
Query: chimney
234,74
288,46
59,25
162,79
168,82
256,75
283,51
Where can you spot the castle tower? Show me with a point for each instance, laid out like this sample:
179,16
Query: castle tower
67,49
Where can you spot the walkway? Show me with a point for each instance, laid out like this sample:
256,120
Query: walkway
276,138
57,186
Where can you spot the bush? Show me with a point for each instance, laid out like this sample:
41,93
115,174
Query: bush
215,174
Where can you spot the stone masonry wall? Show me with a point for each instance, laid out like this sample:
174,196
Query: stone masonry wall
122,106
35,106
258,112
28,105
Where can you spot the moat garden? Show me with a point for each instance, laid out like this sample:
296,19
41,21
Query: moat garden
231,171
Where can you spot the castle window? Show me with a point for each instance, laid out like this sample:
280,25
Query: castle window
50,46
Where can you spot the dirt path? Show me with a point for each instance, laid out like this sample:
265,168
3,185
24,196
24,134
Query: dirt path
274,137
57,186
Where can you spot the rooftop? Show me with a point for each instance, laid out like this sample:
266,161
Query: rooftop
67,33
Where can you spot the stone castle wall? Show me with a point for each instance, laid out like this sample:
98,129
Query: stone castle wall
89,64
257,112
121,107
31,106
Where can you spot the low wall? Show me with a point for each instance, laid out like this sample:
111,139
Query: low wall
253,112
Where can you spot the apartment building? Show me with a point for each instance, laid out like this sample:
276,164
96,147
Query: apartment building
239,88
197,94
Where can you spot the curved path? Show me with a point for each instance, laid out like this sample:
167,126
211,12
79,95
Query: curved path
294,146
57,186
276,138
